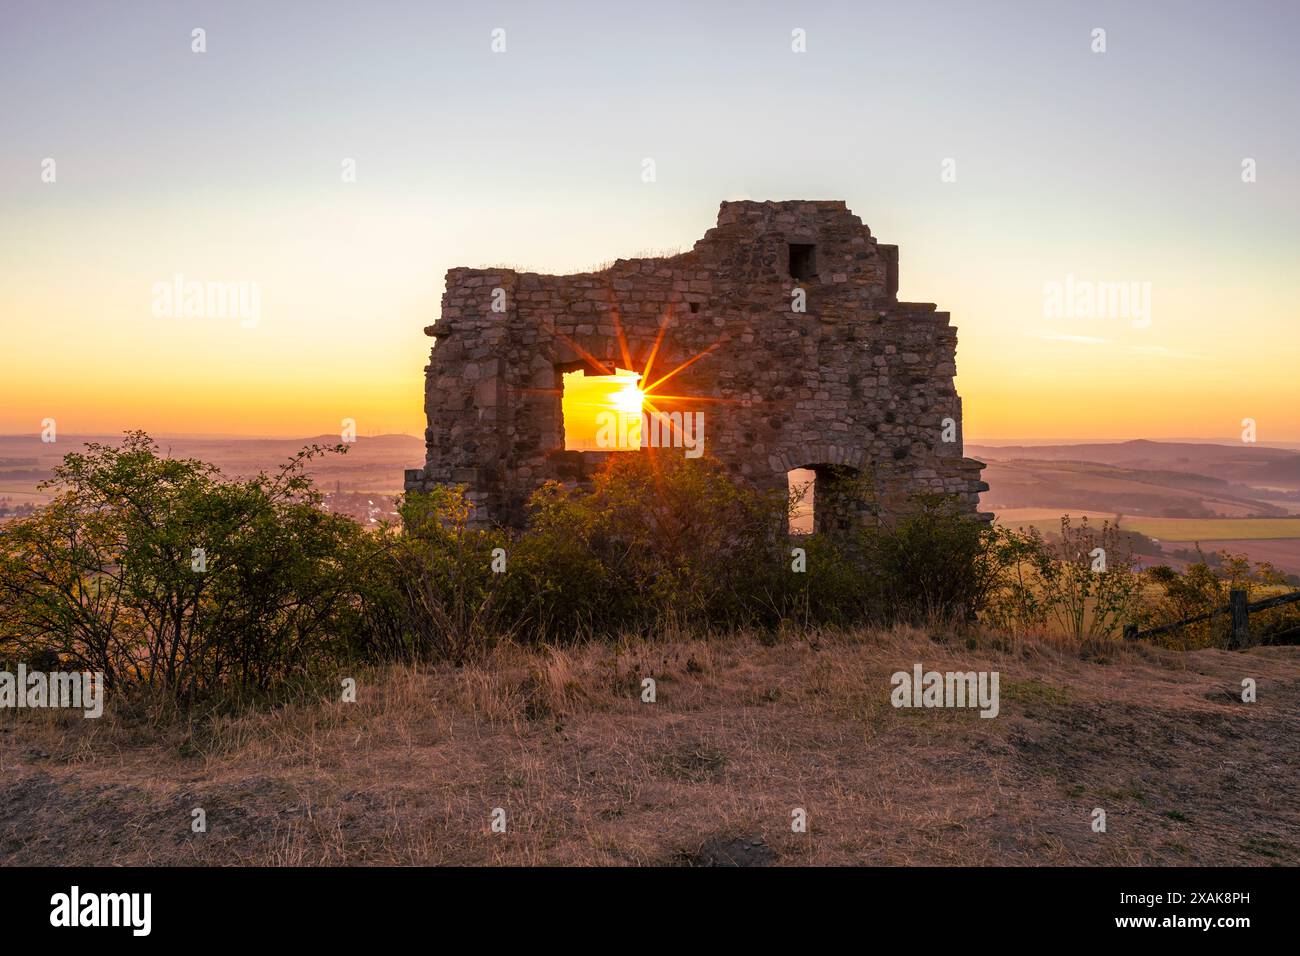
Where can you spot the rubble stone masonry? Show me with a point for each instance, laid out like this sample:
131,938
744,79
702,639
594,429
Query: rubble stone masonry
858,380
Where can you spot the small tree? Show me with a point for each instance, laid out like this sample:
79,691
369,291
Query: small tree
159,572
1089,579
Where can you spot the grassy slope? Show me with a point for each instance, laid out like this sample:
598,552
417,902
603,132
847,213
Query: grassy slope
741,734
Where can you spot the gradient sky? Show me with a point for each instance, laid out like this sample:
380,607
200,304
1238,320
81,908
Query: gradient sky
226,166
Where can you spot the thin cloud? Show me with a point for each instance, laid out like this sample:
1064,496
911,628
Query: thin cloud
1164,352
1159,351
1062,337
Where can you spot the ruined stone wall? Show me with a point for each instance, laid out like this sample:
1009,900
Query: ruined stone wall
859,379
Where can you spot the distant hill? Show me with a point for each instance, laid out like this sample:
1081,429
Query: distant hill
1093,486
1251,466
1140,453
1284,473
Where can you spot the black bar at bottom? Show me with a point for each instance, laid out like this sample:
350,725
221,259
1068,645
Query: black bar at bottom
643,906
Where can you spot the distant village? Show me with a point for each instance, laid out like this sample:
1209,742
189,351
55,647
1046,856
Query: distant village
369,508
10,509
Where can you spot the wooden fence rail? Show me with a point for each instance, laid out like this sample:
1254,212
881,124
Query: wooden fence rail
1237,606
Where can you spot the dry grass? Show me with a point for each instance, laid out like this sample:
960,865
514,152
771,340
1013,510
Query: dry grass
743,731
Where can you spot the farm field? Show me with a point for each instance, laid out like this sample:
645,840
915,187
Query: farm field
1171,530
1276,540
1281,552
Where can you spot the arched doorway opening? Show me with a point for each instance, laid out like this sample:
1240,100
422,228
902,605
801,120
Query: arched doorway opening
826,498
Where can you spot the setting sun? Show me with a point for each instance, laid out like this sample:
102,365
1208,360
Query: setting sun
629,397
586,397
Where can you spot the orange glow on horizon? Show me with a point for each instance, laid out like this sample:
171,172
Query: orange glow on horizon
311,361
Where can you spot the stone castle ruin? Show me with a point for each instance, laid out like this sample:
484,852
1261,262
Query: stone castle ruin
782,328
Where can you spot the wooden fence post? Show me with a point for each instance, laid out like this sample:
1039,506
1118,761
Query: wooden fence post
1240,619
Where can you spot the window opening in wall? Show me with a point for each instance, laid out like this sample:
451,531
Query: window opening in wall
802,483
803,260
602,412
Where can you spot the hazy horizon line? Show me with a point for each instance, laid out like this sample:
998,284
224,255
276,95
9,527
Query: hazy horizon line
991,442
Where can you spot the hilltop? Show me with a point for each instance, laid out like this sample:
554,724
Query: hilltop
743,731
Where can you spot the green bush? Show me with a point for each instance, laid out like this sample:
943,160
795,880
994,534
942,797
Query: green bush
658,539
932,562
102,578
663,542
430,591
1203,588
